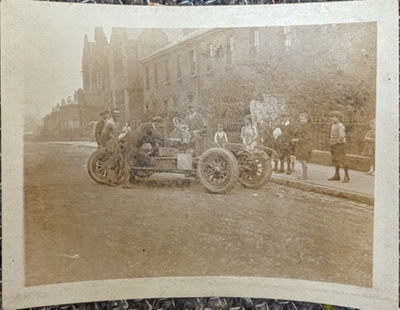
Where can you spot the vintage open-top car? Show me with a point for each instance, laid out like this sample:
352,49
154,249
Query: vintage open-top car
217,168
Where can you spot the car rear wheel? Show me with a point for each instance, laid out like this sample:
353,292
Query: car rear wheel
255,170
98,170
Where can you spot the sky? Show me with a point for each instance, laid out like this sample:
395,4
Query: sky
53,51
53,65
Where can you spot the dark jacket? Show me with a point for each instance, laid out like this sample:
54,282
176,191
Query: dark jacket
146,133
99,130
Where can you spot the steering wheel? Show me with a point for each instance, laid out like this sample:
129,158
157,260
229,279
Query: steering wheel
180,124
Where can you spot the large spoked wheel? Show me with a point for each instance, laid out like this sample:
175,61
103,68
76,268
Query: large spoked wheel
97,167
218,170
180,124
255,170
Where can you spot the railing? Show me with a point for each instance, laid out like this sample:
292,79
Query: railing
355,134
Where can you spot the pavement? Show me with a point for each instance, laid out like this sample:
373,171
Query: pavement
360,188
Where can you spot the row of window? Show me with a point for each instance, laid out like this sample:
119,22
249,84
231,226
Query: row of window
211,53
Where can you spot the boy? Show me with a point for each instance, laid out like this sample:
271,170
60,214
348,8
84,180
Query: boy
220,136
337,144
304,144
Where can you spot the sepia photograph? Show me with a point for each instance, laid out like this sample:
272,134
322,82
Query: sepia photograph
167,118
193,151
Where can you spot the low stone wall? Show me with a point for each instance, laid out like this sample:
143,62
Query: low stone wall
356,162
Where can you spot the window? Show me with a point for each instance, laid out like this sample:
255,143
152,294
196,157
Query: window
124,59
286,29
124,63
288,41
179,67
118,61
256,40
210,58
193,63
147,78
288,36
156,75
230,53
166,71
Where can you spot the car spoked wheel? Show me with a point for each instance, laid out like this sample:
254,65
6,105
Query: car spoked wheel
98,167
255,170
218,170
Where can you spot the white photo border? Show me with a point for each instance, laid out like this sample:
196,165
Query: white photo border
383,294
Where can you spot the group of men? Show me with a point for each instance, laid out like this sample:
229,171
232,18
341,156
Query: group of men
107,134
108,129
125,158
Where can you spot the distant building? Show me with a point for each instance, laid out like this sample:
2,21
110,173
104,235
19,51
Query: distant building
110,71
63,123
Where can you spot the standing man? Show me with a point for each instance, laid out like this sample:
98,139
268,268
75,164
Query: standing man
109,138
337,144
111,128
151,132
197,128
100,126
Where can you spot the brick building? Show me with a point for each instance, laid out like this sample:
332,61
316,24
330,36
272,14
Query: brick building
315,68
63,123
147,72
110,71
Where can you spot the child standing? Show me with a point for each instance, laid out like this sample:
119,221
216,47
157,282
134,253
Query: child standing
249,133
220,136
304,148
369,148
337,144
284,135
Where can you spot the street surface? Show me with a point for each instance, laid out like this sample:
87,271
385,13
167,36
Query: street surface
77,230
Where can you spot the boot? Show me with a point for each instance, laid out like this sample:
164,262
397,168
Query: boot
281,169
129,178
275,166
346,178
336,176
305,171
289,166
111,178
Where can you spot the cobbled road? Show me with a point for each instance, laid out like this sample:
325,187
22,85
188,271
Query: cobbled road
77,230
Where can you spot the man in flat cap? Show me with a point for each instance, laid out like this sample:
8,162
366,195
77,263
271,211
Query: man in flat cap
195,121
109,139
150,132
100,126
197,128
337,144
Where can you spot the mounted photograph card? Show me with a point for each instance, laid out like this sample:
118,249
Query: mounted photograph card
167,152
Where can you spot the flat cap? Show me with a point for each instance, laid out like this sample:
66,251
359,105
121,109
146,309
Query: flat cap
157,119
104,113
